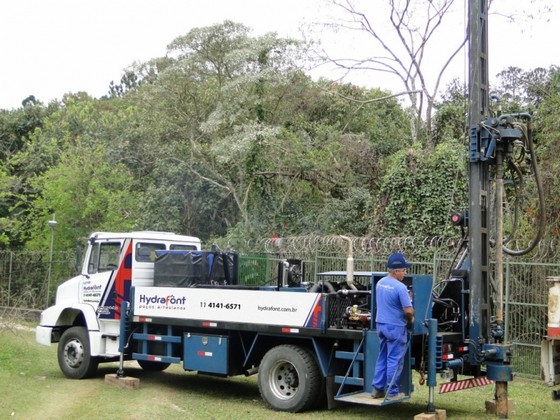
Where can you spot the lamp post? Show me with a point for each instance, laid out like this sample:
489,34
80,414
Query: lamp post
52,224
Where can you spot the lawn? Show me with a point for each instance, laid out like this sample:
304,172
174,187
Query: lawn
34,388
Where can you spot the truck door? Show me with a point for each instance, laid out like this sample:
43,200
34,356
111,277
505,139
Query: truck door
107,281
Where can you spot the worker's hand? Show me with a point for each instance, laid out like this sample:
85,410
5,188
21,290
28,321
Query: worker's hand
409,316
410,323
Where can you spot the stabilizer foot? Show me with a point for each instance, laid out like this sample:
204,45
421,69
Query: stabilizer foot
126,382
438,415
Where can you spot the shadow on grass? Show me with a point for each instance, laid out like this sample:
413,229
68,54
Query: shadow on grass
175,378
244,390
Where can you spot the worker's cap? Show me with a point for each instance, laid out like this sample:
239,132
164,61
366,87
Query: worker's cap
397,260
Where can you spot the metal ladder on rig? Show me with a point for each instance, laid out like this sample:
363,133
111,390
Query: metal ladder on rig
355,377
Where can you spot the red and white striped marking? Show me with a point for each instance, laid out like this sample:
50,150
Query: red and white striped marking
141,319
155,338
286,330
204,353
209,324
464,384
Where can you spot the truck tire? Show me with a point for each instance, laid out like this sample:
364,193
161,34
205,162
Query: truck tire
289,378
74,357
150,366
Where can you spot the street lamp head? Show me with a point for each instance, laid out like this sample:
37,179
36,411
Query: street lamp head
52,223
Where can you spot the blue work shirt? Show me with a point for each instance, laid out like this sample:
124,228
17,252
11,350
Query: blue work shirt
391,297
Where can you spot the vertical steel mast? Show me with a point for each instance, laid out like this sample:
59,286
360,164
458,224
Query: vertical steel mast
486,345
479,326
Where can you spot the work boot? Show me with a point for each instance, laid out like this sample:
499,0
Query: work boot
377,393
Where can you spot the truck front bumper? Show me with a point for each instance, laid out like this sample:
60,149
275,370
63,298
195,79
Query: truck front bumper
43,335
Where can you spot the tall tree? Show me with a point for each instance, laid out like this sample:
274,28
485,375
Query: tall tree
403,49
17,129
266,142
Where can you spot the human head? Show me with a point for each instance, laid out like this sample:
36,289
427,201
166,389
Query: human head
397,261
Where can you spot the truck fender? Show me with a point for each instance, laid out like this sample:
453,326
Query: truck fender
65,316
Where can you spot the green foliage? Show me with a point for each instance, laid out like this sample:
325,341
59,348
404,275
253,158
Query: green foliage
546,135
86,194
450,120
351,215
420,190
17,129
5,195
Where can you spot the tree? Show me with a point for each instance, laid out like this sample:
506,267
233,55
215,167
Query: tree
451,110
70,167
87,194
523,90
17,129
404,41
223,94
266,143
403,49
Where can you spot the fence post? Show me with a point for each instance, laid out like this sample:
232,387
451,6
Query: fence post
10,279
506,300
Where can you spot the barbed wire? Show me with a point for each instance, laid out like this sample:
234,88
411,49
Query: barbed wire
548,250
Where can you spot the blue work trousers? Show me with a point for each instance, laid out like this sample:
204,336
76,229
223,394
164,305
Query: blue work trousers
392,348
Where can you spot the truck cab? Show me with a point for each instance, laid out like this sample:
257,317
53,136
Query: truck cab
85,317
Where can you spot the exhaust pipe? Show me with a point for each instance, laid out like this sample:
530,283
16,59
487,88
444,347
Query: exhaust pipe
349,264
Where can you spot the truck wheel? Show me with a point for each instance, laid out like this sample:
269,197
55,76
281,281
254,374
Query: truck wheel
150,366
74,356
289,378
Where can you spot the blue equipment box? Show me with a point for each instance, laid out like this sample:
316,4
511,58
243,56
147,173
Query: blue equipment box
206,353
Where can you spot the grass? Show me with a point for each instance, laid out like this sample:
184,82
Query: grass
34,388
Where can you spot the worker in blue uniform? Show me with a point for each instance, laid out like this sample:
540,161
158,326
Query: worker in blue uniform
394,314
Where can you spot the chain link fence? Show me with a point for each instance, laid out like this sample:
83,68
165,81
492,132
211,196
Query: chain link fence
28,279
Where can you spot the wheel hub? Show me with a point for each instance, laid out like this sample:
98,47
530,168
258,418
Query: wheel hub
292,378
74,353
284,380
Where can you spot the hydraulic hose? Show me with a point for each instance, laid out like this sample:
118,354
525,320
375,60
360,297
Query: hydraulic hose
540,232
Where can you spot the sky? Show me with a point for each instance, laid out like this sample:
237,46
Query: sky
52,47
